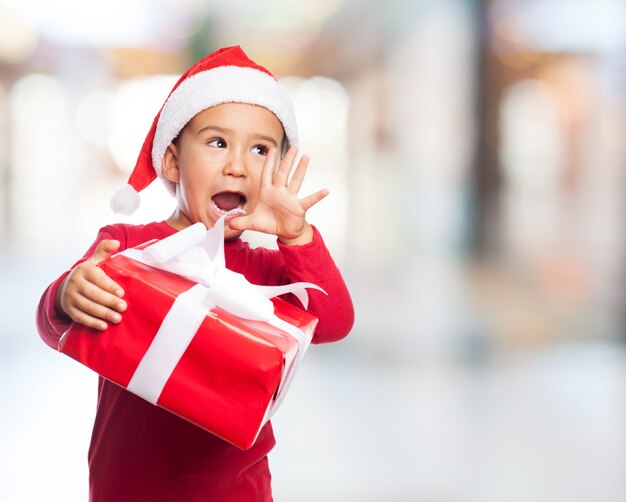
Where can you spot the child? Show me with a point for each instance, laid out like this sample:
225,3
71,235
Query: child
215,144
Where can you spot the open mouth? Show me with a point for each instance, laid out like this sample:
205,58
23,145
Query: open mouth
225,202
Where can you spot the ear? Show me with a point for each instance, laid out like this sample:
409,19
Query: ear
169,164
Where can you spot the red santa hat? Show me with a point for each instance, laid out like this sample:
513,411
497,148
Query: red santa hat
225,76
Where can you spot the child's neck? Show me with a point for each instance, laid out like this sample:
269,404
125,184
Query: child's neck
178,220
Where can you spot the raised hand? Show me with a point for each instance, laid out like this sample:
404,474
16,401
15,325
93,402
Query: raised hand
279,211
88,295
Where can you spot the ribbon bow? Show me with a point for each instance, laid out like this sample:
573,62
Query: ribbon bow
198,255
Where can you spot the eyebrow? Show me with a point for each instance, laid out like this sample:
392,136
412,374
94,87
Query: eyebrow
225,130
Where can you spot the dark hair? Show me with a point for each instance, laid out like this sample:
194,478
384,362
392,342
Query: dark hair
176,140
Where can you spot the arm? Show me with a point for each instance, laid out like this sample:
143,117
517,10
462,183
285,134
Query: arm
313,263
304,255
49,324
83,294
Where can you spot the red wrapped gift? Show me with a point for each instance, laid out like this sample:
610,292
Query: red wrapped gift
186,351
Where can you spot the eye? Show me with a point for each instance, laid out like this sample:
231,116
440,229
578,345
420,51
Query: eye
260,149
217,143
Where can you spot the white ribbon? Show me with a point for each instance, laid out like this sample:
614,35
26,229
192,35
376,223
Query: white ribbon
198,255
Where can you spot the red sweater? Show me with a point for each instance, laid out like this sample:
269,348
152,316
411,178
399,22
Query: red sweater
140,452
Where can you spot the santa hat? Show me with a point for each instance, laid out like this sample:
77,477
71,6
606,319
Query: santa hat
225,76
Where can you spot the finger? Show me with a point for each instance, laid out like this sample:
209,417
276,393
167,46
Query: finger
281,178
101,297
240,223
86,311
298,176
87,320
105,249
267,174
95,309
100,279
310,200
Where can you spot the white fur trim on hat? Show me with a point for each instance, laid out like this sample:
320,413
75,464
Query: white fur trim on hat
224,84
125,200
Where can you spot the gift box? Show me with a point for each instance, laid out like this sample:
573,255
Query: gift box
196,338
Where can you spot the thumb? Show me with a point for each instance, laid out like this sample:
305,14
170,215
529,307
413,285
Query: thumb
239,223
105,249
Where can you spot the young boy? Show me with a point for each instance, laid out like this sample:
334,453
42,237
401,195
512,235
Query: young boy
216,144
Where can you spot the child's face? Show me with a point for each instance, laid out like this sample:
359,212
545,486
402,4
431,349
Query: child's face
217,162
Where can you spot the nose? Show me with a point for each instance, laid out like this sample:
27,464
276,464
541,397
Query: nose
236,164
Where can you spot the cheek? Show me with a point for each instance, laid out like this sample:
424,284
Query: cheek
256,163
199,153
198,166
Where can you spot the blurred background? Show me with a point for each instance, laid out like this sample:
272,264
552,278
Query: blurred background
475,155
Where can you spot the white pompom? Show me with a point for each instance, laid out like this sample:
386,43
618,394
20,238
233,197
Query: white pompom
125,200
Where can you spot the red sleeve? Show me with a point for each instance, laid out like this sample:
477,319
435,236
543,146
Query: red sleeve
313,263
49,324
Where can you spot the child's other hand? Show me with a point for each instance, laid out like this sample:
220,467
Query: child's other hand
279,211
88,295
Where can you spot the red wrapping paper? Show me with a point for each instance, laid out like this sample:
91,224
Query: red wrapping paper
230,372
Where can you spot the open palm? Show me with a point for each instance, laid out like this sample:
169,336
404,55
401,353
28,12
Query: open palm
279,211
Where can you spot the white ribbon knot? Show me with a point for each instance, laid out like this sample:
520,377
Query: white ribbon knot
198,255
